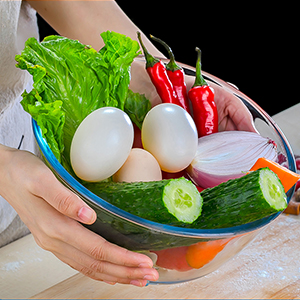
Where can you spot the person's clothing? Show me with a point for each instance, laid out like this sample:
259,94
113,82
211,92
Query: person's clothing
17,23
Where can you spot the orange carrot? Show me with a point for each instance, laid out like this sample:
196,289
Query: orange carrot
202,253
288,178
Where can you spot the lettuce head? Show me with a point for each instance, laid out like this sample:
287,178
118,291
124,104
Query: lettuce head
71,80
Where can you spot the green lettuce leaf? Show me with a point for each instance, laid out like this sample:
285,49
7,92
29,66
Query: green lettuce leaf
137,106
71,80
50,118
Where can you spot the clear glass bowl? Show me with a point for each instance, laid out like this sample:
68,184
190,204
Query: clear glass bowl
167,245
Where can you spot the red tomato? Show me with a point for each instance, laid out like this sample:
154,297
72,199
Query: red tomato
199,188
297,159
167,175
297,185
137,142
173,259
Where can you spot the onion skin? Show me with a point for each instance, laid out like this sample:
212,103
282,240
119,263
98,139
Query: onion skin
228,155
205,180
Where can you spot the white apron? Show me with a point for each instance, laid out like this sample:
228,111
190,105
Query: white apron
17,23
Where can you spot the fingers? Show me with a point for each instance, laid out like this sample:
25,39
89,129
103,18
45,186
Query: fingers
91,254
232,112
62,199
51,213
105,271
100,249
126,268
240,115
235,117
100,276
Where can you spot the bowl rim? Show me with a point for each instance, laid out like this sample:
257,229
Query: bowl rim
82,191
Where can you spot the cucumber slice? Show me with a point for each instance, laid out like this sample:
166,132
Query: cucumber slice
182,200
272,189
173,201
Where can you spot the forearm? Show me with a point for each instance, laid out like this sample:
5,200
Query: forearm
85,20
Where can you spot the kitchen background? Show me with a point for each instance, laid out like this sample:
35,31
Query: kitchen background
248,45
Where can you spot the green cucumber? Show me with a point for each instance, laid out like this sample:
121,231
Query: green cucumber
240,201
173,202
177,202
236,202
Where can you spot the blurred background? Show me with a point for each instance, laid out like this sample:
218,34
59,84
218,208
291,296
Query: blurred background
246,44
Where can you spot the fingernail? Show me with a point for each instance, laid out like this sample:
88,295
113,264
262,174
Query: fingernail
149,277
145,265
86,215
136,283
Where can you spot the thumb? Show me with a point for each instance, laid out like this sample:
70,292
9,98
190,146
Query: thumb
65,201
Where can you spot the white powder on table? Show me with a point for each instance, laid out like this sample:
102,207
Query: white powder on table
12,266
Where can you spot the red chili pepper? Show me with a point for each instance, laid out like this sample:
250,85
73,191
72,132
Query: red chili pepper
176,76
158,75
204,107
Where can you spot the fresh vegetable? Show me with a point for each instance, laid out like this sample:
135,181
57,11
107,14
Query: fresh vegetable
173,259
232,203
187,258
242,200
101,144
176,76
137,106
137,141
297,160
294,204
71,80
167,175
139,166
158,75
200,254
288,178
204,107
173,202
170,135
227,155
236,202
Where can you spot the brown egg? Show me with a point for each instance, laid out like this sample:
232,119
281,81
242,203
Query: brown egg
139,166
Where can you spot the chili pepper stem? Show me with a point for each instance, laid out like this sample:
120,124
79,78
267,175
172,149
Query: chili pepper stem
150,60
172,66
199,81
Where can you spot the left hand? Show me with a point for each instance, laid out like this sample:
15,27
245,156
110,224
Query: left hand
52,213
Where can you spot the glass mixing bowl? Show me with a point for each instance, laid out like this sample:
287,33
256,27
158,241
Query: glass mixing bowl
167,245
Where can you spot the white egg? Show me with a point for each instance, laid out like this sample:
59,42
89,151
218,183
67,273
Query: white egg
140,165
101,144
170,135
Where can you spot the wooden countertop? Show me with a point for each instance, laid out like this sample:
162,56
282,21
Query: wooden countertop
269,267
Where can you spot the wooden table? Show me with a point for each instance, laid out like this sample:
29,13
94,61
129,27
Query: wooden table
269,267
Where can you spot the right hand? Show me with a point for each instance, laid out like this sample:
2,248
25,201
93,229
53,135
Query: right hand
232,112
52,214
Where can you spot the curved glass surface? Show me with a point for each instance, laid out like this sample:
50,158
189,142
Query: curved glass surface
257,113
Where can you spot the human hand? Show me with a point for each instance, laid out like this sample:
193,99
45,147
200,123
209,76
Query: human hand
232,113
52,212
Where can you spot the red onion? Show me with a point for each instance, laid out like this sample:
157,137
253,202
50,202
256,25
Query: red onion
226,155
